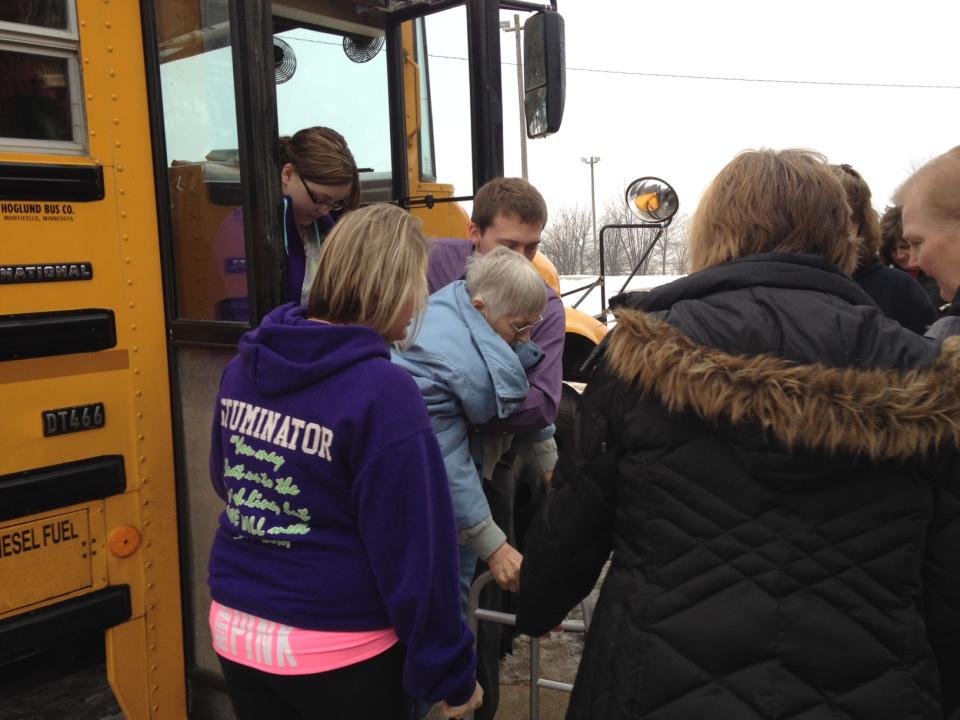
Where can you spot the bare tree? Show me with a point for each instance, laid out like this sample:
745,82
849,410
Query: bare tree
678,260
624,247
568,241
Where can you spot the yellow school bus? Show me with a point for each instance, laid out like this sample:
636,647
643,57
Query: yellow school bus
133,138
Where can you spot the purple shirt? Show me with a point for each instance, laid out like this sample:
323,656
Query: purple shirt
448,260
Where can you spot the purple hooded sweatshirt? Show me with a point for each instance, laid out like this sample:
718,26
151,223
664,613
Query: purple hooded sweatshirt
338,514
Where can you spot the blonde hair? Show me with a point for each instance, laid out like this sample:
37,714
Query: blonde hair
936,186
507,283
372,263
321,155
773,201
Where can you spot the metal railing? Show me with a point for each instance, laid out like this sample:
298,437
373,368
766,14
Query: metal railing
475,614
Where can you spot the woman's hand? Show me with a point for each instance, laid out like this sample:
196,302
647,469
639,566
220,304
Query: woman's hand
505,566
469,706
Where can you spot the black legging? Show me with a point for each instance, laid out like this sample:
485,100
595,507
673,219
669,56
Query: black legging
369,690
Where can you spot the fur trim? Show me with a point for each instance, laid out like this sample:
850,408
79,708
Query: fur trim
882,414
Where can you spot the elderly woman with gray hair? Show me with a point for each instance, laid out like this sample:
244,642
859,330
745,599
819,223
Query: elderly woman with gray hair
469,361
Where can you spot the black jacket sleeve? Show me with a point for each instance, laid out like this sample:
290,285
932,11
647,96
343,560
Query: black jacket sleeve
942,587
571,538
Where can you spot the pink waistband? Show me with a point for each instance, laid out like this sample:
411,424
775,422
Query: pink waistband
282,650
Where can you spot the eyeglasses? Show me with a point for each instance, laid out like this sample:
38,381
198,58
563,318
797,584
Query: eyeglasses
525,328
327,202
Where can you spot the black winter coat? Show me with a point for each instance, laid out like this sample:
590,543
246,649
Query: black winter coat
773,464
898,295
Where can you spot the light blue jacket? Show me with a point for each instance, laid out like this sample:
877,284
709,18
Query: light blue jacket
468,375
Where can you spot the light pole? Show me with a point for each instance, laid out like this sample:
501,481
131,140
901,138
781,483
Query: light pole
505,25
591,161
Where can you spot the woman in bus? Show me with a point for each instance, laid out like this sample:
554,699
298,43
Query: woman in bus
320,181
774,465
334,571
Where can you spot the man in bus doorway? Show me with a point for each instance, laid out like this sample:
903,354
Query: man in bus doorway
508,212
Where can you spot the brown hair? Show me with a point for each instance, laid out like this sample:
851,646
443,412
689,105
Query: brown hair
508,196
891,232
773,201
862,213
321,155
936,183
372,262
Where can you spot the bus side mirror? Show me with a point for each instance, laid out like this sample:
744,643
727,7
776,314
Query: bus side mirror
544,73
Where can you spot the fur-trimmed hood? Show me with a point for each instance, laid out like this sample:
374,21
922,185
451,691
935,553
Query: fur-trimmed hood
880,414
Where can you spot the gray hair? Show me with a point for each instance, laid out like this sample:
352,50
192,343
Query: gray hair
507,283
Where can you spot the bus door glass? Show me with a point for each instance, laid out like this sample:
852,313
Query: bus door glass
339,81
442,49
200,126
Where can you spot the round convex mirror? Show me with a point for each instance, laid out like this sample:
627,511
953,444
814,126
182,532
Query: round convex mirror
652,200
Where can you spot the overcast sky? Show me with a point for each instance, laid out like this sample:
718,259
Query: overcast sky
686,130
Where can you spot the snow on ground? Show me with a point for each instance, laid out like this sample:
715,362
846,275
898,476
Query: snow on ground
591,305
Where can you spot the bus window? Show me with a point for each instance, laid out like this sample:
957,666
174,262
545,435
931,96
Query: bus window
337,84
40,92
449,81
428,167
200,124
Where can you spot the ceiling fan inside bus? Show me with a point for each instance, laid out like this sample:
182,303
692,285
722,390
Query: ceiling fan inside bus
284,61
362,48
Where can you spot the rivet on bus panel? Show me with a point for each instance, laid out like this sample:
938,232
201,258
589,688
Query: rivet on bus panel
109,48
89,98
119,168
139,393
113,97
107,25
131,305
135,348
126,238
145,503
133,327
113,73
143,459
116,121
139,416
129,282
123,214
